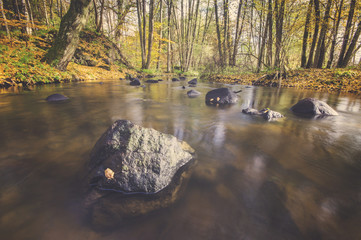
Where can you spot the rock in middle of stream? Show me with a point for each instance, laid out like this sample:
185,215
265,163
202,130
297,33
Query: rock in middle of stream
134,170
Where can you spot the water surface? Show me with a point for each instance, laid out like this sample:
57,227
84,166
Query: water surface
291,179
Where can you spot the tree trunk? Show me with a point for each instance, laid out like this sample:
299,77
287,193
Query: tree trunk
270,34
100,22
51,11
305,34
279,29
315,33
46,13
262,47
25,11
218,33
67,38
30,12
150,33
95,14
235,45
188,62
320,50
346,36
160,32
225,30
351,48
141,32
4,17
334,39
169,2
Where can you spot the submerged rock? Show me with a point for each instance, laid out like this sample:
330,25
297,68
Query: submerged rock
193,81
182,78
56,98
312,107
175,80
151,81
135,82
266,113
134,170
221,96
193,93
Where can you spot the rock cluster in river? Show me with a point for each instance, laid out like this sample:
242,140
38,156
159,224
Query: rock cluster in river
266,113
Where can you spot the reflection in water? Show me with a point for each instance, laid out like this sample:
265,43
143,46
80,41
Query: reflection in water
292,179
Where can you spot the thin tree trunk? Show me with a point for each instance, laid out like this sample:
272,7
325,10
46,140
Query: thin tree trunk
51,11
205,29
27,17
160,32
235,45
100,22
279,29
334,39
150,33
218,33
225,30
193,36
320,50
141,32
351,48
46,13
346,36
67,38
169,2
270,34
95,13
315,33
30,11
305,34
262,47
4,17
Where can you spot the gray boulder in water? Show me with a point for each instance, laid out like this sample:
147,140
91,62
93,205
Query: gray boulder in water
312,107
133,171
142,159
135,82
221,96
266,113
193,93
193,81
56,98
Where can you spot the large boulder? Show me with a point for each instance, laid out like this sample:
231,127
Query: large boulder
56,98
134,170
221,96
312,107
266,113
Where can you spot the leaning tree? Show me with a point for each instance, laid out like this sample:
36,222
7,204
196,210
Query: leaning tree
67,38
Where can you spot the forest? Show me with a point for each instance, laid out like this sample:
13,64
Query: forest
186,37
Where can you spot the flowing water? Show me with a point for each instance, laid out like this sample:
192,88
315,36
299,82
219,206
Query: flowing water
291,179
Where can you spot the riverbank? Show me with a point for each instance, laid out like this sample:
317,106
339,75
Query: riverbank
21,65
21,62
329,80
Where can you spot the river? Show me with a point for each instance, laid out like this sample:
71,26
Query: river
295,178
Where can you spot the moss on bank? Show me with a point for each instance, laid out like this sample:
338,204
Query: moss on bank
21,61
330,80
